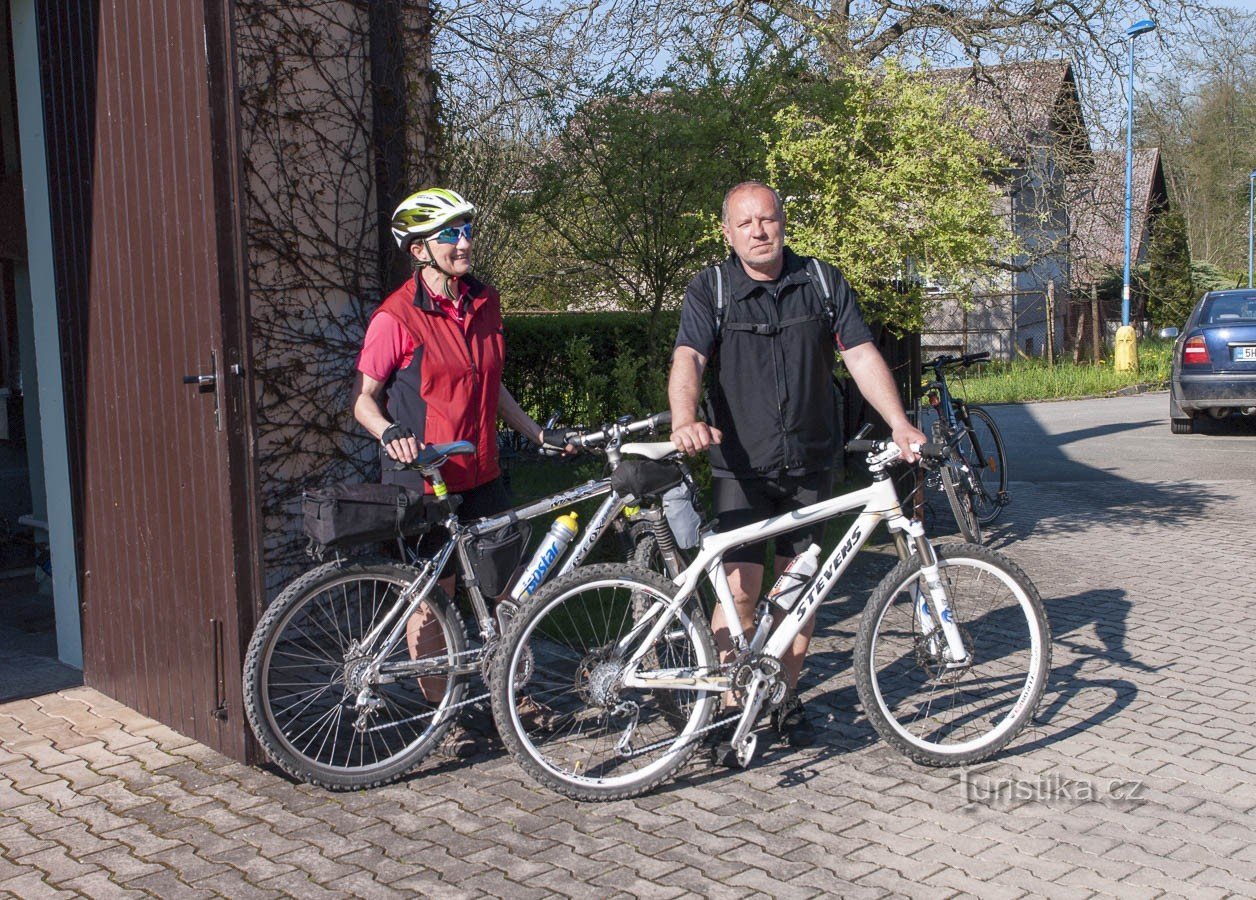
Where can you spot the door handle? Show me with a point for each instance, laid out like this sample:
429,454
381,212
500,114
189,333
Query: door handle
204,383
208,384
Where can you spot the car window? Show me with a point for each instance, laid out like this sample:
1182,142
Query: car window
1229,310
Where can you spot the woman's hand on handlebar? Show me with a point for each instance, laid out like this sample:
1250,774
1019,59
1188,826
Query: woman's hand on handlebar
400,443
557,441
695,437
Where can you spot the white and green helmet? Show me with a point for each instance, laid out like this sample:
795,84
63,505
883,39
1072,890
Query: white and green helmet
427,211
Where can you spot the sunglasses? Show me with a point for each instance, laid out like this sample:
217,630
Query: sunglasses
453,235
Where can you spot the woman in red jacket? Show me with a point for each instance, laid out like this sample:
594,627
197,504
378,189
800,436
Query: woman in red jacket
430,370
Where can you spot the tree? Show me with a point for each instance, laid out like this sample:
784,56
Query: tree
632,180
1202,114
1171,292
883,174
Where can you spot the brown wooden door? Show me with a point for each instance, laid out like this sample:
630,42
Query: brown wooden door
167,533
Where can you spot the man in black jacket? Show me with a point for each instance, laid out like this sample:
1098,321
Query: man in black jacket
768,323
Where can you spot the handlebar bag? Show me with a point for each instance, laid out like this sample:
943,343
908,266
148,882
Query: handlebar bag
346,514
646,477
496,555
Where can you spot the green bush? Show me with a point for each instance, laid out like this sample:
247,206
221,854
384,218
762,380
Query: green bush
591,366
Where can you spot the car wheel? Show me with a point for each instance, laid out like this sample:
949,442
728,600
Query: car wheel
1182,426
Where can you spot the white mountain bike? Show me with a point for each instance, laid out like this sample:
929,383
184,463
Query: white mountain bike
951,658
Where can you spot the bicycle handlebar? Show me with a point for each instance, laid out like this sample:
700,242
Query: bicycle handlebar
590,440
928,450
966,360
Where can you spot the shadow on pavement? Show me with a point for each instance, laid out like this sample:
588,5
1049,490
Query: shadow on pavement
28,644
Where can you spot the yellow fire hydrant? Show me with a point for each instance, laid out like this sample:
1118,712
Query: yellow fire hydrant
1125,352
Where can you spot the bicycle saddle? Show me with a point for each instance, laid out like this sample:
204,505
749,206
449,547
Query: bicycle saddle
433,456
653,450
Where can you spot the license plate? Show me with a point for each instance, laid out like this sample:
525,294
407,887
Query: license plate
1245,354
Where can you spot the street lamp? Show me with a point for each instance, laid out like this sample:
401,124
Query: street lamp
1126,352
1132,32
1251,202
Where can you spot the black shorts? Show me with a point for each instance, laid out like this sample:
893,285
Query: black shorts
486,500
742,501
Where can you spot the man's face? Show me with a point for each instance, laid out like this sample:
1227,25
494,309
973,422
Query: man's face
755,229
452,258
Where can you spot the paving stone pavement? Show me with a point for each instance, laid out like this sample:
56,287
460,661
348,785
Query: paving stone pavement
1141,767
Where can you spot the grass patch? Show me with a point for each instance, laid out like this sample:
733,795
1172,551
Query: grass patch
1021,379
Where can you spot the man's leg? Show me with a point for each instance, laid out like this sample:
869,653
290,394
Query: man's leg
737,503
746,582
794,656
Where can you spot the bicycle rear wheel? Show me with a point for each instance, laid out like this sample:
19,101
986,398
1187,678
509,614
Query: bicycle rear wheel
987,460
558,697
940,716
959,494
308,695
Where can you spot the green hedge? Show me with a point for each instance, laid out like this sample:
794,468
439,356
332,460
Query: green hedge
592,366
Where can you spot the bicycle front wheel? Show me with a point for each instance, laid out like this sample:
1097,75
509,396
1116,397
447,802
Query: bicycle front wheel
559,699
982,449
944,716
311,698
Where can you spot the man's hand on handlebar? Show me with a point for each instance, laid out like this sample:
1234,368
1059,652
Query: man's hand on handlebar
695,437
905,435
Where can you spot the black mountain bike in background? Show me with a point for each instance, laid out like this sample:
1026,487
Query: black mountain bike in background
974,477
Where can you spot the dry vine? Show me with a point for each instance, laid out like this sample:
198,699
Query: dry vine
311,140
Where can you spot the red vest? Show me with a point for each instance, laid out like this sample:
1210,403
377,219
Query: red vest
449,390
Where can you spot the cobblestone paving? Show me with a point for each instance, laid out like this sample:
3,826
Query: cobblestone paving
1138,779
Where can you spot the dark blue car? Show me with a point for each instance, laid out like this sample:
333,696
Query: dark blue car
1214,360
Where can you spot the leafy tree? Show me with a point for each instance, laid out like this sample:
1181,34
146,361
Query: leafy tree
882,174
1201,112
629,185
1171,292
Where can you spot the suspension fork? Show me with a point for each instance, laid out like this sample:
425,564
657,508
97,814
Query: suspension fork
933,606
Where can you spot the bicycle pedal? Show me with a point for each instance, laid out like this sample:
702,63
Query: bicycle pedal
1004,498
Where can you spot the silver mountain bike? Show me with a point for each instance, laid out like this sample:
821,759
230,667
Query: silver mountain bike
343,690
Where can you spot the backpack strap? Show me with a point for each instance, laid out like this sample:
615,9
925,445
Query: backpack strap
828,294
720,302
721,305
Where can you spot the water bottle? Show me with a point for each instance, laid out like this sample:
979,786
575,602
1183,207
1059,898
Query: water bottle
788,587
552,547
682,517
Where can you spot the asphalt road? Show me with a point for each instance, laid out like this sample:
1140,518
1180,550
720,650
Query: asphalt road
1121,438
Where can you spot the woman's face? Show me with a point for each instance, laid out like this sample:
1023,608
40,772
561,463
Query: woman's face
454,258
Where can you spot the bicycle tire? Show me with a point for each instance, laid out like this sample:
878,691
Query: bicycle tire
959,494
990,471
564,641
646,553
295,672
912,703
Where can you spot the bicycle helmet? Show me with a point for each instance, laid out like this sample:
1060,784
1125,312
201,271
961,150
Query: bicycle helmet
427,211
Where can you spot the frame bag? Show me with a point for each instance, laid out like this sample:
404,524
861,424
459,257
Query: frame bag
496,555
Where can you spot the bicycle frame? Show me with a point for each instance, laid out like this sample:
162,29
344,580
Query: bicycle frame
953,413
408,602
877,503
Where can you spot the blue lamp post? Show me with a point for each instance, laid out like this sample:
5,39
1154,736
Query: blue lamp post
1126,349
1132,32
1251,203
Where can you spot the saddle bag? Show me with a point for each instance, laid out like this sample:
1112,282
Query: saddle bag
347,514
644,478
